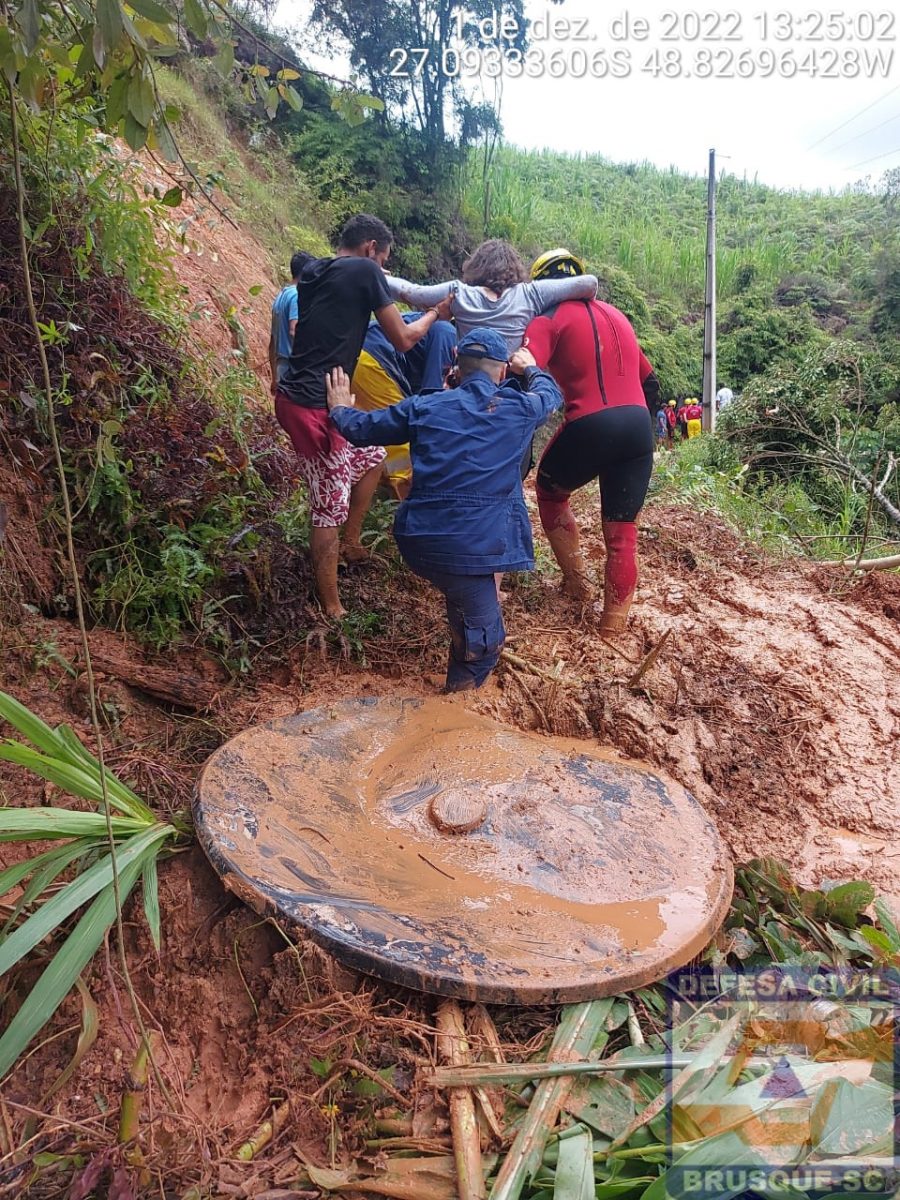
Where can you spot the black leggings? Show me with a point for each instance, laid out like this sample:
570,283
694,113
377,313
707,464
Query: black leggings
614,446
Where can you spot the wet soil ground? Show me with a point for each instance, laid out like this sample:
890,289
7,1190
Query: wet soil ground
774,700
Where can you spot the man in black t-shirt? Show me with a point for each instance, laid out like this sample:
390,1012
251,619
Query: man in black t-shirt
337,297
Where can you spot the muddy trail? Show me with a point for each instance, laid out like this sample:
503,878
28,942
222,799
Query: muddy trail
767,688
773,699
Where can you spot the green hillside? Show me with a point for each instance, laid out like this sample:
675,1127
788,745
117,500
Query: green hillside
652,223
793,269
796,266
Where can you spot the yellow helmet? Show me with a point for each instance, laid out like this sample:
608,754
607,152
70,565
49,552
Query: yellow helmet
555,264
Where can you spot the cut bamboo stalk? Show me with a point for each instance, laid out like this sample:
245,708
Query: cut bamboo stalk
265,1133
132,1101
394,1126
635,1033
435,1145
649,660
482,1026
509,1074
454,1048
576,1035
489,1112
864,564
524,665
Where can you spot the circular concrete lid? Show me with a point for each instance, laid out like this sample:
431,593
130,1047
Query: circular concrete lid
587,875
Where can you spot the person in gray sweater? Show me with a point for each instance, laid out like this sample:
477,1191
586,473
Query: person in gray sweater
495,293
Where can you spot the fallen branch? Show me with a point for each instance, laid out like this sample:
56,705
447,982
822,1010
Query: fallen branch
353,1064
482,1026
577,1034
524,665
865,564
265,1133
891,509
650,660
432,1145
184,689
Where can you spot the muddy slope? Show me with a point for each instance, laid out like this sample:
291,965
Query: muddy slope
775,701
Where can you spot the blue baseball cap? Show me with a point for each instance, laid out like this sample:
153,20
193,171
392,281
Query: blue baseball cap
483,343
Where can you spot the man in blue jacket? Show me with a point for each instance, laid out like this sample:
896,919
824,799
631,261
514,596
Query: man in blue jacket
465,517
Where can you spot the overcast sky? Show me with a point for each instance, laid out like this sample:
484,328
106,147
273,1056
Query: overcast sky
799,132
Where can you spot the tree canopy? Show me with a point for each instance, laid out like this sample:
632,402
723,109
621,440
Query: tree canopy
52,51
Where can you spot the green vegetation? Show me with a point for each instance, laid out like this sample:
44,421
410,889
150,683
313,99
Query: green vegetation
182,502
262,186
665,1077
809,313
651,223
82,870
160,454
804,460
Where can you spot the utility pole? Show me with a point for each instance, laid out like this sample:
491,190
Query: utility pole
709,314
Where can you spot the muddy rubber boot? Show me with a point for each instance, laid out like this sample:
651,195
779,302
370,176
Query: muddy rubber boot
620,575
564,543
614,617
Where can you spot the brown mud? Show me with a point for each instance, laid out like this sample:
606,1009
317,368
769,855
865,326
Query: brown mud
774,702
216,265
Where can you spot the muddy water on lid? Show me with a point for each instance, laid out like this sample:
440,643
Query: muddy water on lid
580,860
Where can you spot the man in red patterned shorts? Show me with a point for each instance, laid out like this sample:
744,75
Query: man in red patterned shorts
337,296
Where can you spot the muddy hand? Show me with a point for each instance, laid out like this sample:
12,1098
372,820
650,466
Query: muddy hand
444,310
337,389
520,360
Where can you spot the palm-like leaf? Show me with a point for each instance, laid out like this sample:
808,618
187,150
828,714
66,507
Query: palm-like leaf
64,968
84,887
138,838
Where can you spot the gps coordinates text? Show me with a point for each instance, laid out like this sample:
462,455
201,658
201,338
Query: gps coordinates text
682,44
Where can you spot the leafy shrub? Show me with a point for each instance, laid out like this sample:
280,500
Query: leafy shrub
816,423
164,467
755,334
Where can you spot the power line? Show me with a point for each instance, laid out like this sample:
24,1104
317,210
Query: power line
844,124
871,129
865,161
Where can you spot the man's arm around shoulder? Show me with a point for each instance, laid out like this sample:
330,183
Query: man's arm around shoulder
402,336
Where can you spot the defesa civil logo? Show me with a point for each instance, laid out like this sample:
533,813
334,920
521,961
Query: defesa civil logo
791,1084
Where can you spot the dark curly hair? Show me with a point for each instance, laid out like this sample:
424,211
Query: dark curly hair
495,265
365,228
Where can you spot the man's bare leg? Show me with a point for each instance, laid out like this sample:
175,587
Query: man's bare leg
324,548
360,499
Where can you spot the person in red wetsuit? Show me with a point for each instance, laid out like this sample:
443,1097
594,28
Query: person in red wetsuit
609,388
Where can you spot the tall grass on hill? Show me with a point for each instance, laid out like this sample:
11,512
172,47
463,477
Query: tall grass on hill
652,222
